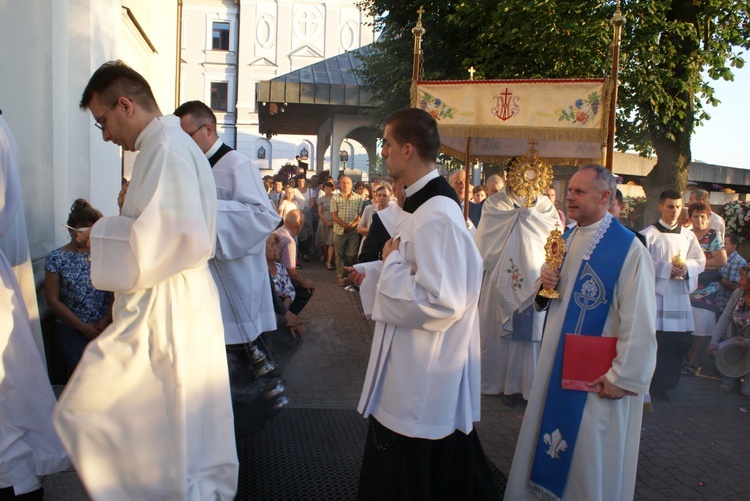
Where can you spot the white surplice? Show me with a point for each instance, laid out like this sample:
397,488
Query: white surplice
29,446
147,413
423,376
245,219
606,453
673,310
511,241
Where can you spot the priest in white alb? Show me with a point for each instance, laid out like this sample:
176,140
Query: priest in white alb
577,445
147,413
29,447
511,241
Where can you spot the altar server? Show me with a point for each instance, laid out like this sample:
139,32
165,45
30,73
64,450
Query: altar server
245,218
421,390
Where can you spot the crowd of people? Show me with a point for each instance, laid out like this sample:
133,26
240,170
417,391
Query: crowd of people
162,310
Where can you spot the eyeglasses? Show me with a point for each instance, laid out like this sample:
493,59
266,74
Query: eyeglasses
78,230
99,123
196,130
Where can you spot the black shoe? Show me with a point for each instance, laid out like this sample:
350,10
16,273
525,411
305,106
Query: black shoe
661,394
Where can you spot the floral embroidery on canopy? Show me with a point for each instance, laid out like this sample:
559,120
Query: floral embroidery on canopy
581,110
435,106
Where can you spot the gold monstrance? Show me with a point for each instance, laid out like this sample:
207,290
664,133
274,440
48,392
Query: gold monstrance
555,251
530,176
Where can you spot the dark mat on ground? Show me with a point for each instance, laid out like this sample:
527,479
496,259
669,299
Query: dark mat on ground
307,453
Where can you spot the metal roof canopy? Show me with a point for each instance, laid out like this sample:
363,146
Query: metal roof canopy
310,95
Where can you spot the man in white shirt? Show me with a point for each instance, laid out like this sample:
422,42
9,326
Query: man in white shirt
147,413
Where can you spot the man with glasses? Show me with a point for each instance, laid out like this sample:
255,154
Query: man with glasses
147,414
245,219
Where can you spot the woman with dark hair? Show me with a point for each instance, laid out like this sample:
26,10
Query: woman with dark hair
82,311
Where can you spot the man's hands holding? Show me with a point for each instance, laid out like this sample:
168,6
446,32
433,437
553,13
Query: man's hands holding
550,278
678,272
608,390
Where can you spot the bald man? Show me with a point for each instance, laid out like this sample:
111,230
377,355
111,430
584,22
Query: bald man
294,221
494,184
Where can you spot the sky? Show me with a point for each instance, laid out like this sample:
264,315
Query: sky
723,140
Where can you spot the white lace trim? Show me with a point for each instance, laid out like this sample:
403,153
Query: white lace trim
606,222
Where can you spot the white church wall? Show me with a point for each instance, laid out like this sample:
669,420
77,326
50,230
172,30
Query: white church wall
56,46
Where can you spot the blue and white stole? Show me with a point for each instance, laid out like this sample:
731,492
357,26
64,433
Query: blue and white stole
587,312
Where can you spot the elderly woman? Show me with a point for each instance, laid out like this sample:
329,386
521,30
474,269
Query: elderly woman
734,322
324,235
381,201
704,298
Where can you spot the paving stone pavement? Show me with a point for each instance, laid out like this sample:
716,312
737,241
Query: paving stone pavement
695,447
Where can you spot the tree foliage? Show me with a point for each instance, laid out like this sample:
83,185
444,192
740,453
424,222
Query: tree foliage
668,46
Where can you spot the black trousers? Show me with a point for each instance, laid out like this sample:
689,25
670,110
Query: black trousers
672,347
301,297
9,493
398,467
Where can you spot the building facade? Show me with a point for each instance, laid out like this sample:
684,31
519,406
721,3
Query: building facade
228,46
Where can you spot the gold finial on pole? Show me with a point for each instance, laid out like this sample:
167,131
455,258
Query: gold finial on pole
418,32
471,73
617,21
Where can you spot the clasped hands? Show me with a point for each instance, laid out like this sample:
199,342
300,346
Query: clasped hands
356,277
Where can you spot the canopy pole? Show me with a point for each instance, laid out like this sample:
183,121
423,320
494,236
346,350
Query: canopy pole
468,178
418,31
618,20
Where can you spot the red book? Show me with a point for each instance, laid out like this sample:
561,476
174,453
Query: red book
585,358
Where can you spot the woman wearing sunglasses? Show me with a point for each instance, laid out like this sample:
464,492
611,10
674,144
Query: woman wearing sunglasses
82,311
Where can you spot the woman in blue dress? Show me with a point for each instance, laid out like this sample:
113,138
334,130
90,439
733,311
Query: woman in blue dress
82,311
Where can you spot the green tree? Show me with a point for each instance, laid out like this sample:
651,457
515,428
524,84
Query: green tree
667,48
